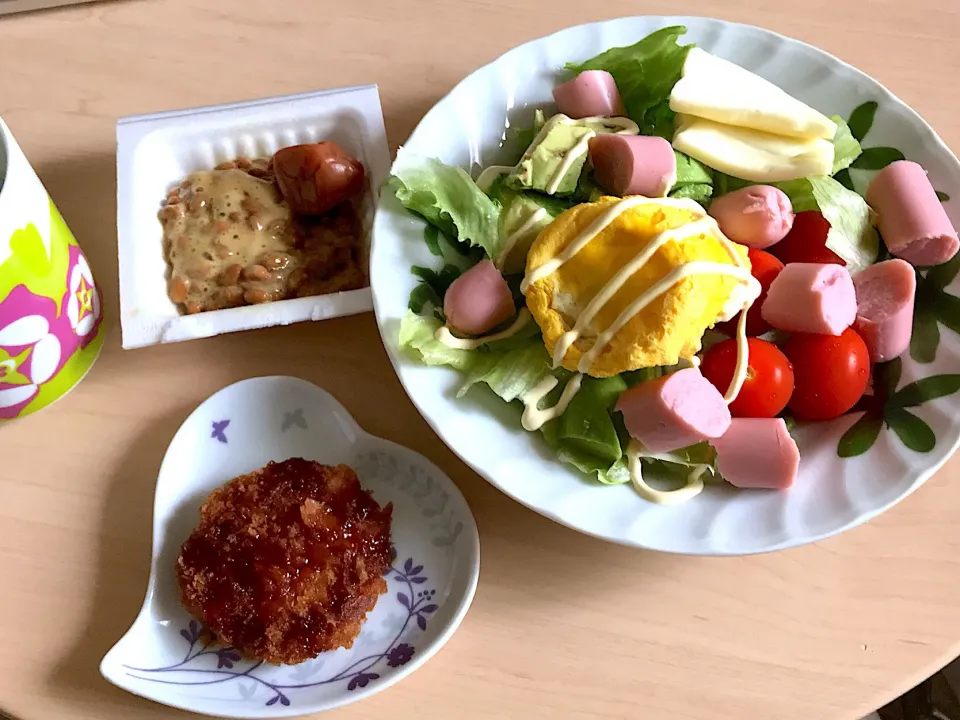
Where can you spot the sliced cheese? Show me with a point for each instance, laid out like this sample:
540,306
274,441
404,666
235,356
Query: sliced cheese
750,154
717,89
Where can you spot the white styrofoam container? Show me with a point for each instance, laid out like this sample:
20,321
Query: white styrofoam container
157,151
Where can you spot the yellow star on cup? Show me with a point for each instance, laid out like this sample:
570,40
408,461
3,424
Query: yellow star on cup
84,299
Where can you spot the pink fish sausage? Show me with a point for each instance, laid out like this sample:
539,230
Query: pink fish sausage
634,164
592,93
811,298
912,220
758,453
674,411
885,293
757,216
478,300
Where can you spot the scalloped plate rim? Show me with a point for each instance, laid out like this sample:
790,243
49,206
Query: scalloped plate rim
363,439
397,358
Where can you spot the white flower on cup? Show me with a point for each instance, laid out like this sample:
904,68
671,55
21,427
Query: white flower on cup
31,332
83,305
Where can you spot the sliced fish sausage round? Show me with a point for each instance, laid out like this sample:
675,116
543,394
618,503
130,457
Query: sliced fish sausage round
478,300
758,453
911,217
675,411
757,216
885,296
811,298
592,93
634,164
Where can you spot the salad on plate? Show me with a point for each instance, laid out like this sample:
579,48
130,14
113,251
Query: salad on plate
673,273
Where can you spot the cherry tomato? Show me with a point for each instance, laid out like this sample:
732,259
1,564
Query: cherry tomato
769,382
764,267
317,177
830,373
806,241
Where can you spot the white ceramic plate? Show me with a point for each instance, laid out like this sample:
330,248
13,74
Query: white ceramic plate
468,128
165,656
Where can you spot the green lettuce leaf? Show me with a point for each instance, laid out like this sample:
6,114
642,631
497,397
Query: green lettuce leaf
501,192
587,426
586,436
852,235
694,179
699,455
587,189
551,203
724,183
529,333
498,190
846,149
431,288
698,192
431,238
447,197
645,73
691,171
510,374
678,464
635,377
660,120
525,135
417,337
424,297
518,208
586,462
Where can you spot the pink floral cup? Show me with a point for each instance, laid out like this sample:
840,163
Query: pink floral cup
50,310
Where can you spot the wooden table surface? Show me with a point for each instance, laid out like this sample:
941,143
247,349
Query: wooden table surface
563,625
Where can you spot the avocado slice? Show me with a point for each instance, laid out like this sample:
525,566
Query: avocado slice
517,219
549,155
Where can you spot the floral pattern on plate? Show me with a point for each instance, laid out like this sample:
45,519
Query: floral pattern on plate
886,405
171,658
202,652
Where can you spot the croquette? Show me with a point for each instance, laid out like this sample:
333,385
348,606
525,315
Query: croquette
287,561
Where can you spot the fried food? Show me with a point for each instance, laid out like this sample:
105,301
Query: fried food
287,561
669,328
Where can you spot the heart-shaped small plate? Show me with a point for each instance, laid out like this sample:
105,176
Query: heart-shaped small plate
169,657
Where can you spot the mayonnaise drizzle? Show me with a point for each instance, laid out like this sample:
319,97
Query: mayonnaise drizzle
671,279
617,281
598,226
743,355
572,155
627,127
519,234
693,487
534,417
704,224
446,337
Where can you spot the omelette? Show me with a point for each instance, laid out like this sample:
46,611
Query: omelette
670,328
